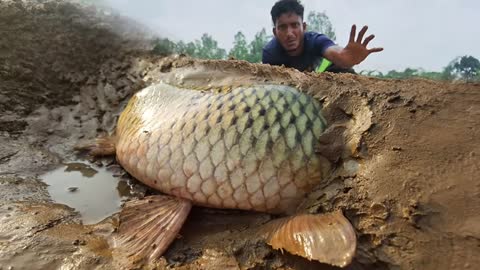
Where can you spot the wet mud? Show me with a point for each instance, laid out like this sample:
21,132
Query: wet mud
406,152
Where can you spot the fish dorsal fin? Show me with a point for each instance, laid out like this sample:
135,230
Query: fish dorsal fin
148,226
327,238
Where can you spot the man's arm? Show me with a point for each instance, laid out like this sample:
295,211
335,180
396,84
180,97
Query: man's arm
354,53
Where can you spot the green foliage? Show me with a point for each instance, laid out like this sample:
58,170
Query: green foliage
432,75
408,73
256,46
164,46
186,48
240,49
319,22
465,68
251,52
207,48
447,73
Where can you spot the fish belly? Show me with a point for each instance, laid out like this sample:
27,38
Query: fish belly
248,148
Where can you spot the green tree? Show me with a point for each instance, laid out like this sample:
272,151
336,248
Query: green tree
466,68
448,73
256,46
432,75
186,48
207,48
319,22
240,48
462,68
372,73
164,46
406,74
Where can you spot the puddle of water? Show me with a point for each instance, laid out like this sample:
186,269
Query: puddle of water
89,189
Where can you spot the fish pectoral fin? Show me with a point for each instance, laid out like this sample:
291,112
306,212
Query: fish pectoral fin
148,226
101,146
328,238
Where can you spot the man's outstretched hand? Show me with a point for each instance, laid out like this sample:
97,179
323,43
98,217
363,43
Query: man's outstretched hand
356,50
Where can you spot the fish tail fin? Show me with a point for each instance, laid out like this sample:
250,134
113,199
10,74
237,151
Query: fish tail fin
148,226
328,238
101,146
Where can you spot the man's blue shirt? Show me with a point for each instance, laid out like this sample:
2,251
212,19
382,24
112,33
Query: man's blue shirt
314,44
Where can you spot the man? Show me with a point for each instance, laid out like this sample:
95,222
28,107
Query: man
309,51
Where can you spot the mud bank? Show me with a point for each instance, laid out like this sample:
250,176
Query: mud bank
407,178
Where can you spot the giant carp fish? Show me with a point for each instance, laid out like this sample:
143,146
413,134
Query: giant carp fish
246,147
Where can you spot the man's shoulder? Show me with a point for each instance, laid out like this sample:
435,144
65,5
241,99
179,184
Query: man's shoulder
272,46
316,42
272,52
313,36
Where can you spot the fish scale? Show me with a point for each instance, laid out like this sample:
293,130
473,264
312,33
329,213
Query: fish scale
249,148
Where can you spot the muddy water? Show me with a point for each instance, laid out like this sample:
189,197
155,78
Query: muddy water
91,190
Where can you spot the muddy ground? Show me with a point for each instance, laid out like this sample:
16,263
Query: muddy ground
408,179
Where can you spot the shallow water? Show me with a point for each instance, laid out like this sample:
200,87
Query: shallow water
91,190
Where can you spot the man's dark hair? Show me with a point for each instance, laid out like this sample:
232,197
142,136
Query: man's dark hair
286,6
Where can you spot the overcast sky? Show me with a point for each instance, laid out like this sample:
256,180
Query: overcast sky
414,33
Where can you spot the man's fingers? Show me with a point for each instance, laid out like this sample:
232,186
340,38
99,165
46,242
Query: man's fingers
374,50
352,33
367,40
361,34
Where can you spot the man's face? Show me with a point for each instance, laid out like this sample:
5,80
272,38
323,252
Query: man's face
289,30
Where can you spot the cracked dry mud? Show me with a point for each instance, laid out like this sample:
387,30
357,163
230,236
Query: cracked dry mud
410,188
